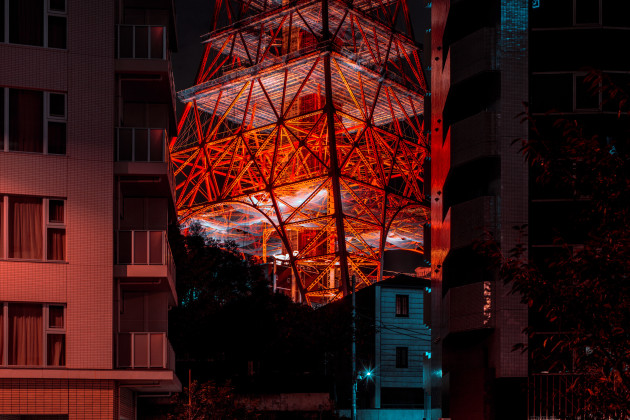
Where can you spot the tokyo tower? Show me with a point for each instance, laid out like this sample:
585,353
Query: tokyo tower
303,138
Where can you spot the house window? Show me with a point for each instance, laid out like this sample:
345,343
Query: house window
402,305
32,228
587,97
34,22
402,357
33,121
587,12
32,334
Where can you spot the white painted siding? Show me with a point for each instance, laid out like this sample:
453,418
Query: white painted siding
407,332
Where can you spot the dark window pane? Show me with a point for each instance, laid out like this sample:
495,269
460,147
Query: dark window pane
56,244
142,42
57,105
142,145
55,211
401,357
157,42
402,305
56,350
125,42
157,145
2,18
585,96
124,247
57,138
125,144
26,116
58,5
586,11
26,19
56,31
55,316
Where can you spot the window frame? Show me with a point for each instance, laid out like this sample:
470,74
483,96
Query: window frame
46,330
587,24
402,357
402,308
47,12
46,120
46,224
576,88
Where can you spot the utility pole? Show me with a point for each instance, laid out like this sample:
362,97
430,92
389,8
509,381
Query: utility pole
354,351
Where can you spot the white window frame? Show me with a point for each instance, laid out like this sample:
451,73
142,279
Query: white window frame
46,330
46,224
47,118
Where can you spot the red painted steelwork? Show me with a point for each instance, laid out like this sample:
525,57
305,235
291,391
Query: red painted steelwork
304,136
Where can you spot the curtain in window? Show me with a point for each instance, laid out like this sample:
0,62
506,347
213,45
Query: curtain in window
25,228
1,334
56,244
25,334
26,23
26,126
56,350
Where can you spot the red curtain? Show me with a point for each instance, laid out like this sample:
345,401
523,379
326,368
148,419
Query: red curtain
25,228
25,334
26,122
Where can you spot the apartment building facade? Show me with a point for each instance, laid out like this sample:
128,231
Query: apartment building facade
86,277
490,58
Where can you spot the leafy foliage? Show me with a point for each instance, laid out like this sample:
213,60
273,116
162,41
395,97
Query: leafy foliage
208,401
582,291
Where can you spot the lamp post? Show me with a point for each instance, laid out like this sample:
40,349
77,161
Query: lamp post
354,351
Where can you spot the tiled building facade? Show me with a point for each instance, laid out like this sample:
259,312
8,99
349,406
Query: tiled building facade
82,83
488,59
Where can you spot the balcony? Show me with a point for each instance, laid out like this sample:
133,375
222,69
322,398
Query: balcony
473,54
470,307
145,350
142,42
145,254
144,49
473,138
142,152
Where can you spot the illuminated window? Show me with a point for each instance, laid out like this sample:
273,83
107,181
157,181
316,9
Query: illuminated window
32,228
32,334
33,121
34,22
402,357
402,305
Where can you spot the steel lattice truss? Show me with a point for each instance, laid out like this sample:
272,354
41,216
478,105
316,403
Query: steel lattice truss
303,136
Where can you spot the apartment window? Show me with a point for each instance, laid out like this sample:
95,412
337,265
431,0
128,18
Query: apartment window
32,228
402,305
32,334
34,22
587,12
586,98
402,357
33,121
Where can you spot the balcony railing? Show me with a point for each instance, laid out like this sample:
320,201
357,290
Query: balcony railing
142,41
135,144
145,350
143,247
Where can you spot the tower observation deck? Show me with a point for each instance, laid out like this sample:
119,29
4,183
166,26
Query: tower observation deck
303,138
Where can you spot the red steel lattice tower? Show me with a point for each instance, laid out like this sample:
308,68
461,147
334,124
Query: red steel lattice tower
303,137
